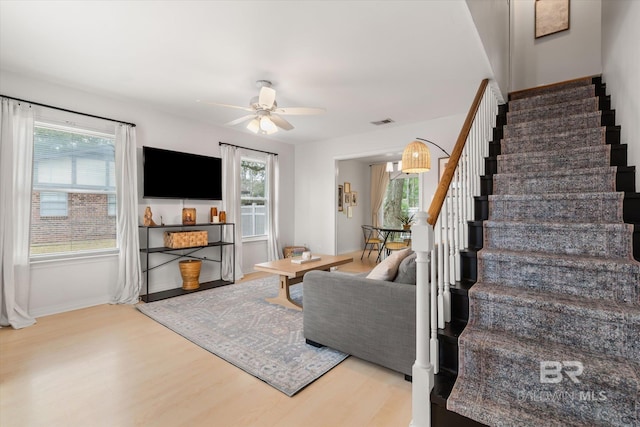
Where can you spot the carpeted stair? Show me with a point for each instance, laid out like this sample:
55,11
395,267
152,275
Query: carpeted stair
557,280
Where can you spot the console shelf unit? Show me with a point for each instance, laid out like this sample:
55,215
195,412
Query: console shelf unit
189,253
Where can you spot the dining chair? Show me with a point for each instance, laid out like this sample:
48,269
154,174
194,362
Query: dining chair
371,239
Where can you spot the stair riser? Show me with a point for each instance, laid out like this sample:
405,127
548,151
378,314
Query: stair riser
610,240
607,208
556,141
556,323
579,278
568,159
584,121
601,182
587,105
547,93
468,266
515,378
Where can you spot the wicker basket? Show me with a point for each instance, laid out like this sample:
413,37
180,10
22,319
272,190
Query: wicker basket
185,239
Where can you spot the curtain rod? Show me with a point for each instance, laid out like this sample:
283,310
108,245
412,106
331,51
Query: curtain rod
246,148
67,111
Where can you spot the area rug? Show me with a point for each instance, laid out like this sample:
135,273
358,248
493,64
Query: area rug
236,323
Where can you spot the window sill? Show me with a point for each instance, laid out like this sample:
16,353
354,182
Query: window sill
255,239
43,259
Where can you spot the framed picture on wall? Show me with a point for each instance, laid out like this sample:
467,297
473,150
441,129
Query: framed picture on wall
442,165
354,198
347,187
551,16
350,212
340,198
347,199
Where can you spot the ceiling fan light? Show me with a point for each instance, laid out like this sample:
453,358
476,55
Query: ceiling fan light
267,126
416,158
254,125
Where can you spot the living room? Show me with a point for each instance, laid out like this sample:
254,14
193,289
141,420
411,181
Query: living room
308,155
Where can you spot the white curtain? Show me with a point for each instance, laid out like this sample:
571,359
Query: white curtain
231,205
129,269
379,183
273,174
16,165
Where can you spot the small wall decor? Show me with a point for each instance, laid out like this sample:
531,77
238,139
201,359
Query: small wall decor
148,218
340,198
551,16
349,211
188,216
442,165
354,198
347,199
347,187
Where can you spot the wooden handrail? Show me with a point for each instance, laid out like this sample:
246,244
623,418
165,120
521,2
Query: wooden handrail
452,164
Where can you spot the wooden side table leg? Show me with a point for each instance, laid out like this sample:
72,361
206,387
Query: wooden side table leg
284,298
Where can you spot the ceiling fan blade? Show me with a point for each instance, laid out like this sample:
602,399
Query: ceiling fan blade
300,111
267,97
280,122
225,105
240,120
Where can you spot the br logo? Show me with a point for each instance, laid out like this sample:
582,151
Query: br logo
551,371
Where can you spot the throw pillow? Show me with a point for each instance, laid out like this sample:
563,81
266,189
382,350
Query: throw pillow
388,268
407,270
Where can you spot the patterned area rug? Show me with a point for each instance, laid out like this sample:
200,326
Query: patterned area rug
237,324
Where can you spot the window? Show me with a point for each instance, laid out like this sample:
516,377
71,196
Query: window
53,203
253,197
73,199
402,197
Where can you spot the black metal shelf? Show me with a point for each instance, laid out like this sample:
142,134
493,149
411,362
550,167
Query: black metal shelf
170,293
166,249
186,253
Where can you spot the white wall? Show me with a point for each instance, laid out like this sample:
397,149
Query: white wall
621,70
557,57
316,184
65,285
491,18
349,236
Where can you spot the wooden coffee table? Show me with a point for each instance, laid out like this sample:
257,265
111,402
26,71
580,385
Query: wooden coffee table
291,273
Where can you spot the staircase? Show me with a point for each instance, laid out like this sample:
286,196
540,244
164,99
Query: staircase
554,316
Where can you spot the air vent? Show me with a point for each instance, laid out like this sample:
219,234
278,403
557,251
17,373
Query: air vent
382,122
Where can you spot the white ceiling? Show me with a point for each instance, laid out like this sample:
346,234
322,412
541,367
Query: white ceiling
361,60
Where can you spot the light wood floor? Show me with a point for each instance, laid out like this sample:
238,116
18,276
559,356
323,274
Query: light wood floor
110,365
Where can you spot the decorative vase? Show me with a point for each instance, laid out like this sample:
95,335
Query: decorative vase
223,216
190,272
214,213
406,226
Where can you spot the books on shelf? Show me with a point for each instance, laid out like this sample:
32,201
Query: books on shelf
300,260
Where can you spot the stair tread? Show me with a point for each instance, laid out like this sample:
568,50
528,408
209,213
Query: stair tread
595,149
527,95
530,123
587,102
572,172
554,302
545,258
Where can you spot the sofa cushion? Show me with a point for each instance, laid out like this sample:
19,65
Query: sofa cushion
407,270
388,268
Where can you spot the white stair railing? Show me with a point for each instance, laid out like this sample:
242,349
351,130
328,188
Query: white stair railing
438,248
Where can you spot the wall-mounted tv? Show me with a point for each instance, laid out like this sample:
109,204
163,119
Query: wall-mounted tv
176,175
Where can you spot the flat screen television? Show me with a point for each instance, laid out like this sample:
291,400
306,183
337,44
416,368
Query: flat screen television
176,175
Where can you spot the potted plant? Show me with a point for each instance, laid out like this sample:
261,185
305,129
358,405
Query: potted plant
406,220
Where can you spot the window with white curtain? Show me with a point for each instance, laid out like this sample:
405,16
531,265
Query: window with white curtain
73,199
253,200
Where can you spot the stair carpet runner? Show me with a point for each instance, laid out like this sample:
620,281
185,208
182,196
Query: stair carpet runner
553,337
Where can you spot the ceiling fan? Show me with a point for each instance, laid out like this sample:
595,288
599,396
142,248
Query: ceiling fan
265,113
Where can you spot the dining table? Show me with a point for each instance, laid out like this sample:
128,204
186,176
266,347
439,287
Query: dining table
385,233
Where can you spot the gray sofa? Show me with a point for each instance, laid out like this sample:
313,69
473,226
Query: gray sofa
374,320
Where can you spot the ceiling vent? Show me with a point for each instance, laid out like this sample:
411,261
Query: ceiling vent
383,122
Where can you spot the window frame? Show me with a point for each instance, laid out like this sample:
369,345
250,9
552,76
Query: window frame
255,237
108,189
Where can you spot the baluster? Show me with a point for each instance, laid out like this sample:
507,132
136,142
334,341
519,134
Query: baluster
435,274
449,263
456,228
442,260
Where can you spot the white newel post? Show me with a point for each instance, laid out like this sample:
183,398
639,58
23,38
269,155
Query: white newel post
422,244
